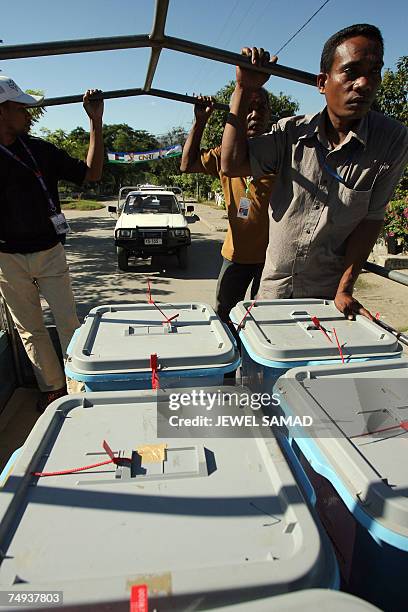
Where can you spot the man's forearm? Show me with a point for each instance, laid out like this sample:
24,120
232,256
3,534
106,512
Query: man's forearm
359,246
95,157
190,161
234,151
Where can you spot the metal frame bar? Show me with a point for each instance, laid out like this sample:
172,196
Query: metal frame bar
236,59
142,41
156,36
157,41
125,93
80,45
394,275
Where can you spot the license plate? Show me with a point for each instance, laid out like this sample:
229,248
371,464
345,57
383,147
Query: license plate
153,241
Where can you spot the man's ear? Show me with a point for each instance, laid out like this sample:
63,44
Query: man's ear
321,82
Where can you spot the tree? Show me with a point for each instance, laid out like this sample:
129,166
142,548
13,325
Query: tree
124,139
281,106
392,101
36,112
191,183
392,94
75,143
168,170
59,138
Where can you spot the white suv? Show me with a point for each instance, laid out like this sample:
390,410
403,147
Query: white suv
151,223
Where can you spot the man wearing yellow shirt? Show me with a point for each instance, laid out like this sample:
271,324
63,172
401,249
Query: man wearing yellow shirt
247,202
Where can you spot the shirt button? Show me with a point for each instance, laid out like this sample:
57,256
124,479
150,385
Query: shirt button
307,231
317,206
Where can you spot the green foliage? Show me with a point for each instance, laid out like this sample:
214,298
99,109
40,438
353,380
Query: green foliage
170,167
36,112
396,221
74,143
121,137
392,101
281,106
392,94
192,184
81,205
216,185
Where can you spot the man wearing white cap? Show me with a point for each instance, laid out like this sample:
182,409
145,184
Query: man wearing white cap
33,229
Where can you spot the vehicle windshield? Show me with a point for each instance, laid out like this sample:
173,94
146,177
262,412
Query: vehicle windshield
156,204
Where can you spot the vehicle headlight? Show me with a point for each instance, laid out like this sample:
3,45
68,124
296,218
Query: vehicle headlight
180,232
124,233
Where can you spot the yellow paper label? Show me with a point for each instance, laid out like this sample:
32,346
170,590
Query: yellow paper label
152,453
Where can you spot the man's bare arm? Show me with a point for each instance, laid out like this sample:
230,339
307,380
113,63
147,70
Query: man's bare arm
95,157
359,246
190,160
234,150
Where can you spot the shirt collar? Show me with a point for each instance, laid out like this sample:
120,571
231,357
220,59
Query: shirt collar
316,126
312,127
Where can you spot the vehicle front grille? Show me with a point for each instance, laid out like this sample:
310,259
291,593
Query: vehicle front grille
147,233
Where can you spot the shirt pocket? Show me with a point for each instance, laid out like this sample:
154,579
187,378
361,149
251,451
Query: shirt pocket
349,207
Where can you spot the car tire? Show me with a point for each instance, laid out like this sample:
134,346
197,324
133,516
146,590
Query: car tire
123,259
182,257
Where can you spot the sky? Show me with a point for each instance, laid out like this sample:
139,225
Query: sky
227,24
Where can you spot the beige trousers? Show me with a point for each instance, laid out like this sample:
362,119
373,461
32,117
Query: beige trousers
22,279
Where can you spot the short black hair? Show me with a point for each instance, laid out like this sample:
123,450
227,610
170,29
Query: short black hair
359,29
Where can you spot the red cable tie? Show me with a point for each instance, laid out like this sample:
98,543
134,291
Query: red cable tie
403,425
151,301
317,323
338,346
73,470
377,315
167,320
113,459
149,292
248,310
153,366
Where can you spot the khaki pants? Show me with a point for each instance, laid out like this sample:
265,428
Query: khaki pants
22,279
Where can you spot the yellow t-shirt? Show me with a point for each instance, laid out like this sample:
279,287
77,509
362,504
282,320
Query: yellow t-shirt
246,239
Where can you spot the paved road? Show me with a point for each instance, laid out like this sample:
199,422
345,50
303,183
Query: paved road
96,279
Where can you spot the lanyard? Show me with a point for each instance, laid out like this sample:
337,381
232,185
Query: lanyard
36,170
247,180
323,160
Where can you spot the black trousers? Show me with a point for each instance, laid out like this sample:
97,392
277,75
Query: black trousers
233,282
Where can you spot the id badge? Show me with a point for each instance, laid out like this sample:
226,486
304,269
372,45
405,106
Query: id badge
60,223
244,206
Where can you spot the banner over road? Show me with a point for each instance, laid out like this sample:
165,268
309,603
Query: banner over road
138,158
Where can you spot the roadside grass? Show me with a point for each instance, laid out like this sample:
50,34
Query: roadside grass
81,205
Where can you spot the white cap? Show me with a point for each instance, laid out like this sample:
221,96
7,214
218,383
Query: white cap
9,90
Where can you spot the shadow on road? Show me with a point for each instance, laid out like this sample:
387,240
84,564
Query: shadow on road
96,279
